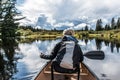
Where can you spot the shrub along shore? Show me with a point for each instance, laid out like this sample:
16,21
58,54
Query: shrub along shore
111,35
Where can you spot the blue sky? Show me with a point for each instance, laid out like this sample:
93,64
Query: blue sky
62,10
19,2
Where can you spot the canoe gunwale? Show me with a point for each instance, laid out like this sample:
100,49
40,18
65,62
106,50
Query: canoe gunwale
90,71
42,68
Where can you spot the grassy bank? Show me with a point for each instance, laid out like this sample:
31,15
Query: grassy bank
104,35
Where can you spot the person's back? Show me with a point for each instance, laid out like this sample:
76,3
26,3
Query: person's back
67,54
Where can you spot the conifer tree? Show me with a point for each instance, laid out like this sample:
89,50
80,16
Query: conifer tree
99,25
113,24
86,28
118,23
8,12
107,27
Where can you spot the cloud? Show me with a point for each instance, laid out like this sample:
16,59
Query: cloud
61,10
80,26
64,24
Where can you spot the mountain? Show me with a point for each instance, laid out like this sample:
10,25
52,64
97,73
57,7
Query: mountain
42,23
76,24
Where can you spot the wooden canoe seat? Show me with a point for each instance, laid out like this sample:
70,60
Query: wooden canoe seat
83,71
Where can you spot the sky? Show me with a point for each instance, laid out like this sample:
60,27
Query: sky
63,10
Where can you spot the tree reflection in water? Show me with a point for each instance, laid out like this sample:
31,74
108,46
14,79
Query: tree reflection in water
107,43
112,45
7,60
98,43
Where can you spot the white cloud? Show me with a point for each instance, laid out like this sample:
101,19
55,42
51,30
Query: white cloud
64,24
69,9
80,26
3,1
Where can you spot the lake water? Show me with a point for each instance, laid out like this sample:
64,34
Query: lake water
23,61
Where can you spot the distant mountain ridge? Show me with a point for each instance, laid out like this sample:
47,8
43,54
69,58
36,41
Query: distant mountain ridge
76,24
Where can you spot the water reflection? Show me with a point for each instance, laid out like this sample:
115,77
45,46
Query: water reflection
114,46
7,58
31,63
107,69
98,44
22,62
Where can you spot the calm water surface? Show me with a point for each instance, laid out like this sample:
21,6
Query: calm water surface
26,63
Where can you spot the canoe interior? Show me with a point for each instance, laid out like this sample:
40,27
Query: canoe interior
45,74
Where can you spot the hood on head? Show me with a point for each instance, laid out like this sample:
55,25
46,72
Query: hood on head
69,38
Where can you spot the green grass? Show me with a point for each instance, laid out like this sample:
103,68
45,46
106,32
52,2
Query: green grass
104,35
94,35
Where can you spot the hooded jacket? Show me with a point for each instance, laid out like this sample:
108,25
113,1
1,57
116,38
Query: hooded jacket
59,51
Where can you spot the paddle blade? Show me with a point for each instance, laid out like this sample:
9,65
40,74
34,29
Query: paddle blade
98,55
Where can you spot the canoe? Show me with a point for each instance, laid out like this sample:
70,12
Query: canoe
85,74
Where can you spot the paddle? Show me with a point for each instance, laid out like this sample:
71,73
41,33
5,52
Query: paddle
98,55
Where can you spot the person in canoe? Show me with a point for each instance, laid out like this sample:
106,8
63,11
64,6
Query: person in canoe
66,55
